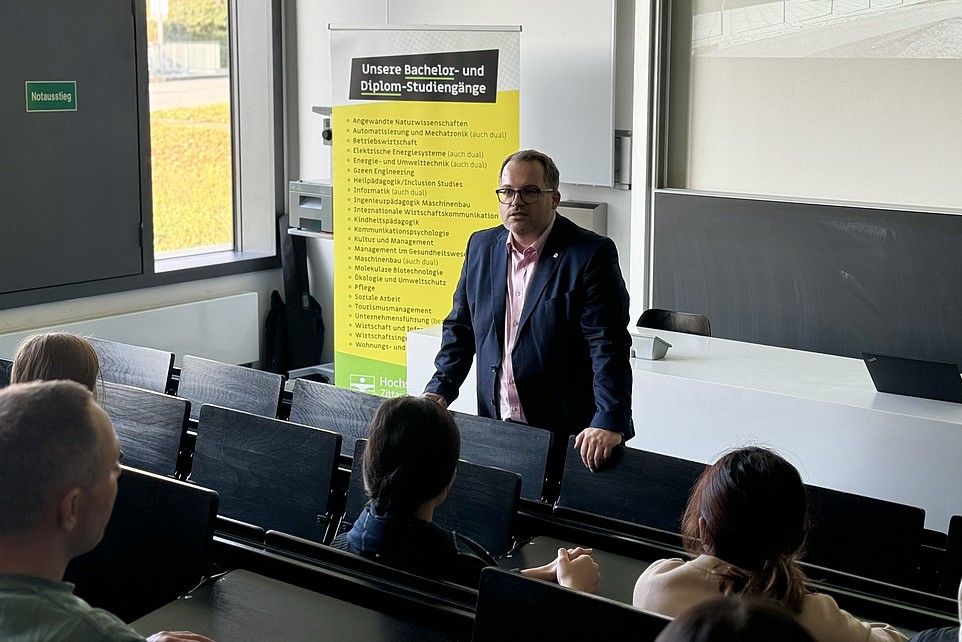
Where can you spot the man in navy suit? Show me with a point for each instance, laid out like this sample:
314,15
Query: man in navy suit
543,304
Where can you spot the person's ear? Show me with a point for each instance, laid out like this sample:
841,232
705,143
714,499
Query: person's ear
706,544
69,509
555,199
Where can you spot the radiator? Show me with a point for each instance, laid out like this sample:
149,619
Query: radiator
224,329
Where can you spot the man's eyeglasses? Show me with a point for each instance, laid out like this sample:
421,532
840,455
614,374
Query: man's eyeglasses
528,194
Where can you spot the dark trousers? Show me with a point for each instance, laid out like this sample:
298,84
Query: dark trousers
948,634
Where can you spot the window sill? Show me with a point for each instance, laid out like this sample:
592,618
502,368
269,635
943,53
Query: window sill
176,263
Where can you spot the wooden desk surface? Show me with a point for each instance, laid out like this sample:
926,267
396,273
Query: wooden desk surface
618,572
244,606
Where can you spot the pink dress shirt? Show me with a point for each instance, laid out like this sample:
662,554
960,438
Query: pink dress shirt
521,266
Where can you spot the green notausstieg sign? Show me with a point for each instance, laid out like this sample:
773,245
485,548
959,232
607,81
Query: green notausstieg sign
51,96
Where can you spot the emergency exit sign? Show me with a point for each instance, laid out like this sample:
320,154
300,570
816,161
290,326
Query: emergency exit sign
58,95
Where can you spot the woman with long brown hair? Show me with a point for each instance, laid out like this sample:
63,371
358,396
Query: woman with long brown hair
745,527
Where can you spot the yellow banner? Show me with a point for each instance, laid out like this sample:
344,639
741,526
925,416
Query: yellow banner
414,174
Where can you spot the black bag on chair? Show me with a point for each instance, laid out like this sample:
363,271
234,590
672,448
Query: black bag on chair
277,357
294,330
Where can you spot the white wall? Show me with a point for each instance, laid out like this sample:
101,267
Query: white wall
872,141
641,125
63,312
310,84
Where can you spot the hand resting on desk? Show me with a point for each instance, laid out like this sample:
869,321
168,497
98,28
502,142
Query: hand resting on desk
573,568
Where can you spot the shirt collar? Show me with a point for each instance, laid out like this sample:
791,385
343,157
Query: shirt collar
539,242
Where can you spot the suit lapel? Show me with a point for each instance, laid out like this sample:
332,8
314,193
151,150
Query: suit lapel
498,260
547,266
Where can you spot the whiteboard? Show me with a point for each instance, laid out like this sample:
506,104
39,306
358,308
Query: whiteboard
567,73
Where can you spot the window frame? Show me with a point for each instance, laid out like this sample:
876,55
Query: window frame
257,141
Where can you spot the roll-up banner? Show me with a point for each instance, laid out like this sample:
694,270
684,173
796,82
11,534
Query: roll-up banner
422,118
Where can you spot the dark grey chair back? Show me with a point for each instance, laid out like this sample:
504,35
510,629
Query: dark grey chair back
688,322
156,546
636,486
203,381
347,412
951,572
514,607
270,473
481,504
151,426
841,536
134,365
5,367
520,449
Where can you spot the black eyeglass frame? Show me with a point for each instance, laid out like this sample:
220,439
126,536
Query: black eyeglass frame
529,195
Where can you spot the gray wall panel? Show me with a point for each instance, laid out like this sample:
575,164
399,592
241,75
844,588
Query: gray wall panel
837,279
70,201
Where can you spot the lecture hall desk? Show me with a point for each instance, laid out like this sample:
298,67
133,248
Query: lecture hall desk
820,411
243,606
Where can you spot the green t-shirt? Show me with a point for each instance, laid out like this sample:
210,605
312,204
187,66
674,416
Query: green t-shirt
33,609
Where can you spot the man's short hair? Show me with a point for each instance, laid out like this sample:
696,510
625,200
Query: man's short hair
48,445
552,178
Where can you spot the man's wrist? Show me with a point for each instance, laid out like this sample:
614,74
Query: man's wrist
435,397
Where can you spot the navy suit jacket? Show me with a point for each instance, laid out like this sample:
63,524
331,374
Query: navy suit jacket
571,351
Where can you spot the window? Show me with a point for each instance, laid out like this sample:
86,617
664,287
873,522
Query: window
79,213
216,135
192,177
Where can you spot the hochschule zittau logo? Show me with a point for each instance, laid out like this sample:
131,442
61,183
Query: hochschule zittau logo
363,383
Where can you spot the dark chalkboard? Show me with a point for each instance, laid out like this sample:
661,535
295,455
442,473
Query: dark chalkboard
828,278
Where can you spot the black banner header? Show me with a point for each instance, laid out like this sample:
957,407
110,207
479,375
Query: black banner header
451,77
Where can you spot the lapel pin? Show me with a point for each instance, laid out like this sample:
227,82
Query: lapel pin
555,255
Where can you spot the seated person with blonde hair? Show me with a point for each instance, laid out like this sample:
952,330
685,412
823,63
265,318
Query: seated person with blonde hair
744,527
56,355
409,465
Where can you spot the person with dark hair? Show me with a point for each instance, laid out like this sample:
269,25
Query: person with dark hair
56,355
59,464
735,617
543,305
745,527
409,465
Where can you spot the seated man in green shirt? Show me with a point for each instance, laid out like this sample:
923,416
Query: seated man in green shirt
59,464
